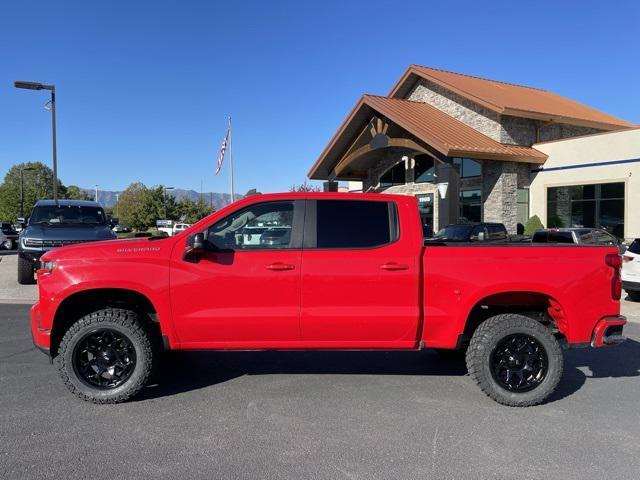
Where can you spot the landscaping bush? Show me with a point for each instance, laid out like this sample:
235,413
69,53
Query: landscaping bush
532,225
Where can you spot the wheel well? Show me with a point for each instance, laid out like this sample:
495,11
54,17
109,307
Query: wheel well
531,304
82,303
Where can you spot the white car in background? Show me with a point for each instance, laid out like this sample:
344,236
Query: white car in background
631,271
179,227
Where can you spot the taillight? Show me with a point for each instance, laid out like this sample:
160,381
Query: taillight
615,262
627,258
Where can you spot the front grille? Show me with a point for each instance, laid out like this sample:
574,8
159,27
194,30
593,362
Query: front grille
61,243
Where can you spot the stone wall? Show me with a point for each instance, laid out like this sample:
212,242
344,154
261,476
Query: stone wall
502,128
468,112
500,184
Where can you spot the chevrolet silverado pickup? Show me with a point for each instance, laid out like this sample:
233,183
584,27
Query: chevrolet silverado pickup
325,271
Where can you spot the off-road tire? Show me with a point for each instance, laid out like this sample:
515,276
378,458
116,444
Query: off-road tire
124,322
25,272
634,296
484,341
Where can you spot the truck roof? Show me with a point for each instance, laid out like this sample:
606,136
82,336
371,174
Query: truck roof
68,203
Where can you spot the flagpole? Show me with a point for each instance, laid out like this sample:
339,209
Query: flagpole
231,159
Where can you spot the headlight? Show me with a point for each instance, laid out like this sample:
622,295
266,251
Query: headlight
29,242
46,267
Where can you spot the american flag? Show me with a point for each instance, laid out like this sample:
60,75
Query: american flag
223,150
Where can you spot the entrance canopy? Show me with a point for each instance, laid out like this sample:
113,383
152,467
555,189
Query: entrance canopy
377,124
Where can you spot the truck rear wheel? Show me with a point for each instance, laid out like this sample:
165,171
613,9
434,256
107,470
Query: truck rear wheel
515,360
25,272
106,356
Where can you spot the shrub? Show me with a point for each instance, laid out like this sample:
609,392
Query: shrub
532,225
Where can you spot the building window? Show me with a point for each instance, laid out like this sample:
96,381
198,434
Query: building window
523,206
467,168
424,169
593,206
471,206
396,175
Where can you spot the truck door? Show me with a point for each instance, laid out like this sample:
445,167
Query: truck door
361,275
244,290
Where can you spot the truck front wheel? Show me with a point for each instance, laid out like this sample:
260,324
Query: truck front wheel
515,360
25,272
106,356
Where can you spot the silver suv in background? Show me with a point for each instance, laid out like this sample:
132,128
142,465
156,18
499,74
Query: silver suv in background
578,236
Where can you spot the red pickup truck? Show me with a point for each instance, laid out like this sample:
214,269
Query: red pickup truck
323,271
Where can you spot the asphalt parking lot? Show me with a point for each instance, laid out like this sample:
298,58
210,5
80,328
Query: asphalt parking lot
357,415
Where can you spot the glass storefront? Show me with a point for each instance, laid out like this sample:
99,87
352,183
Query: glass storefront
425,208
396,175
597,205
470,206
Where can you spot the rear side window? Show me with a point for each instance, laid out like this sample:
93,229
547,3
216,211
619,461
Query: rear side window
354,223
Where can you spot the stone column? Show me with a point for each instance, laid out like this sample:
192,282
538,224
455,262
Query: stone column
500,193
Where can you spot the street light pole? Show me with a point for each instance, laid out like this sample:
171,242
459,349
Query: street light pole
52,103
96,193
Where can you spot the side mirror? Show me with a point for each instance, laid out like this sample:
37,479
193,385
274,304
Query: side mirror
194,248
197,244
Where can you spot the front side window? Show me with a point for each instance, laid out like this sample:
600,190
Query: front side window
258,227
354,223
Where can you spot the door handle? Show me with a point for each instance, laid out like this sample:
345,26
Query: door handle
394,266
278,266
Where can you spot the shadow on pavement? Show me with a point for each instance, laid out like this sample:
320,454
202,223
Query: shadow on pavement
186,371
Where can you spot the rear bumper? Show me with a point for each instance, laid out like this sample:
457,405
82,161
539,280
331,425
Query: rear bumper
608,331
41,336
630,286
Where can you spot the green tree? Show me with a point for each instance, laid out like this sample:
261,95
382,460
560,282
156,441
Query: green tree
131,206
191,212
76,193
160,205
532,225
38,185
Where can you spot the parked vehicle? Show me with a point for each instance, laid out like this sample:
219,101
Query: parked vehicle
473,232
631,271
355,274
180,227
578,236
9,236
55,224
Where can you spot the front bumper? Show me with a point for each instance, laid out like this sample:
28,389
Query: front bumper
41,336
629,286
608,331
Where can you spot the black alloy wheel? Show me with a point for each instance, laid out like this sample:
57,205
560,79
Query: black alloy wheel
104,359
519,363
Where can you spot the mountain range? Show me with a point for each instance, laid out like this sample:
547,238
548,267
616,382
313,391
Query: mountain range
107,198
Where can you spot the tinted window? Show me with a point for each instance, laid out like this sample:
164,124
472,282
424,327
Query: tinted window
394,176
497,232
560,237
424,169
635,247
258,227
457,232
353,224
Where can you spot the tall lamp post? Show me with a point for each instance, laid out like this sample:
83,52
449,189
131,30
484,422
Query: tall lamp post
22,170
52,89
165,201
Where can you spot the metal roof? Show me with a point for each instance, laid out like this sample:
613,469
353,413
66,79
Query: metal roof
429,125
510,99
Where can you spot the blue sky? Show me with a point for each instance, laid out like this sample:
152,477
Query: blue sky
145,87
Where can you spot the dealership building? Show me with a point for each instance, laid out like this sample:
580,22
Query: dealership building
472,149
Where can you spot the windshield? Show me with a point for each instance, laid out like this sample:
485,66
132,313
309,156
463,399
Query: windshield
66,215
455,232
